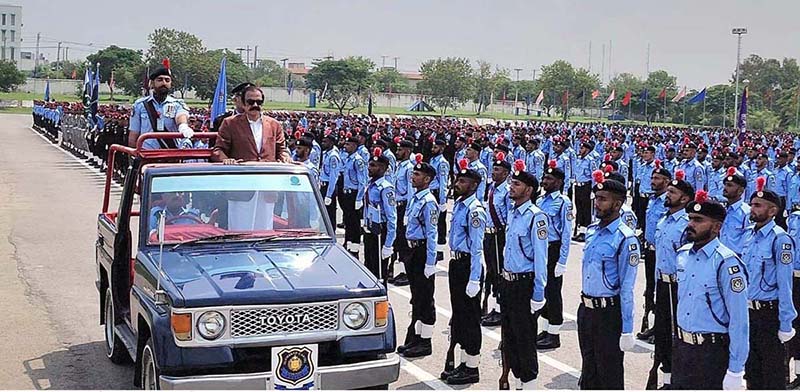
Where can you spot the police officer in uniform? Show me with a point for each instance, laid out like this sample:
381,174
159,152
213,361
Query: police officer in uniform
793,346
605,315
329,175
238,105
494,239
643,189
659,181
405,192
473,155
768,254
737,212
439,186
354,174
422,216
583,188
558,208
711,344
467,226
380,217
669,237
524,276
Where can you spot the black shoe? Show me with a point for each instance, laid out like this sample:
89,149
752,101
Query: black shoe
467,375
439,256
551,341
390,279
410,344
421,349
666,387
541,336
401,279
449,370
340,225
645,335
492,319
580,237
794,384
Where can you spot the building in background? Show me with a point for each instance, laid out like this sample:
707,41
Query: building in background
10,32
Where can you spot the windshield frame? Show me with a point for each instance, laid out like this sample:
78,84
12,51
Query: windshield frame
149,176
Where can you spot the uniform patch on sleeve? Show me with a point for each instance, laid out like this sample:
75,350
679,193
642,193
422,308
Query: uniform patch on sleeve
632,247
570,215
734,270
333,164
633,260
786,257
737,284
434,213
540,223
629,221
786,246
476,222
541,233
390,198
360,164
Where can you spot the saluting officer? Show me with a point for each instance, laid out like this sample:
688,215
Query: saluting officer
737,212
768,254
655,211
467,227
605,315
329,175
439,186
354,174
380,217
524,276
422,215
558,208
669,237
494,240
712,336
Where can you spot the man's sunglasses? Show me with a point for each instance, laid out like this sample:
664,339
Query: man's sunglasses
252,102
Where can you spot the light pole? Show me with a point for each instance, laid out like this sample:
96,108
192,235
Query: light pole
285,73
738,31
516,87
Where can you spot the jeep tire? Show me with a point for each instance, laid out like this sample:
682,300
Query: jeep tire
115,349
150,373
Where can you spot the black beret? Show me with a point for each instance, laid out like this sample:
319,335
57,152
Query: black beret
767,195
587,145
690,145
660,170
303,142
650,148
555,172
526,178
616,176
502,162
610,163
379,159
352,139
160,71
440,142
425,168
469,173
683,186
406,144
332,137
610,185
708,207
240,87
762,155
735,177
501,147
618,149
475,146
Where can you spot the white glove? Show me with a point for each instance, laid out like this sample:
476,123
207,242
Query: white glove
359,204
785,336
186,130
536,305
386,252
560,269
733,381
443,207
430,270
473,287
626,342
328,201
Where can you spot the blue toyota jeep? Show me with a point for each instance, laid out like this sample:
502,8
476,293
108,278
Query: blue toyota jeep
230,277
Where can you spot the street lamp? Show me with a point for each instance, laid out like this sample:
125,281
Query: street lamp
738,31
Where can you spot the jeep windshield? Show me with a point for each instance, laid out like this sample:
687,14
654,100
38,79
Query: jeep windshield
206,208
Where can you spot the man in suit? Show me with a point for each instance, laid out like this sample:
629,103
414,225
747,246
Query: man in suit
250,136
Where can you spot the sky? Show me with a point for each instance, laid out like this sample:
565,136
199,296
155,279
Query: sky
691,39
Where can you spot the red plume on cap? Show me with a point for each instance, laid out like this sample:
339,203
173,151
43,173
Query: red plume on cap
607,158
658,164
165,62
597,175
375,137
680,174
760,182
397,139
418,158
499,140
608,169
431,138
469,141
501,156
348,135
701,196
463,163
377,152
553,164
298,134
731,171
686,140
519,165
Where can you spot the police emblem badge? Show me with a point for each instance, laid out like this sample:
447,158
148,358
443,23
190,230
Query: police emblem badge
786,257
633,260
295,368
737,284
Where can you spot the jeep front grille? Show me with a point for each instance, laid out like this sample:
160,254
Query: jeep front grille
284,320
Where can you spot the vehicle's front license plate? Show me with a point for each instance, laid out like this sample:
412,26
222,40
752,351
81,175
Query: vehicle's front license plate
294,367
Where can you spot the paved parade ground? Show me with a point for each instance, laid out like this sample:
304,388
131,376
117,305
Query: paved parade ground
49,203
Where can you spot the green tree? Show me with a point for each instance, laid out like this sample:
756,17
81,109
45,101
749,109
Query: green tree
762,120
181,48
269,73
10,76
486,82
204,71
114,58
448,82
388,80
555,79
656,82
344,82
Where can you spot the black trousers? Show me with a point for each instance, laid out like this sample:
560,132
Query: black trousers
350,216
465,327
519,328
765,367
650,279
331,209
793,346
372,252
401,251
780,219
598,337
701,366
422,303
493,245
441,229
666,306
553,309
583,205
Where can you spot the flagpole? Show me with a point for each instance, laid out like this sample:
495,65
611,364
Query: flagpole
704,109
665,105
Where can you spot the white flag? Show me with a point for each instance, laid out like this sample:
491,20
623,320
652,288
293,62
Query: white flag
611,97
540,98
680,95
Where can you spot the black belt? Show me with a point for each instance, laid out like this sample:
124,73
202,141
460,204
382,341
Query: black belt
667,278
762,305
515,276
702,338
401,203
583,183
646,194
460,255
324,183
346,190
599,302
417,243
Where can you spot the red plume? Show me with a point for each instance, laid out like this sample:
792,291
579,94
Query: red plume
463,163
658,164
680,174
608,169
397,139
165,62
418,158
375,137
731,171
686,140
553,164
701,196
377,152
348,135
298,134
499,140
519,165
431,138
501,156
597,175
760,182
607,158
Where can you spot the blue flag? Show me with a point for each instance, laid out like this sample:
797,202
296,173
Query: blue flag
87,88
47,91
741,120
700,97
644,95
290,85
220,93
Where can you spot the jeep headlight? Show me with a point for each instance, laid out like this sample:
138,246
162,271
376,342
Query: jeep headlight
210,325
355,315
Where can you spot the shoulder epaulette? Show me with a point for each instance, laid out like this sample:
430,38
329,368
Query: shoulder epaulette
725,252
626,231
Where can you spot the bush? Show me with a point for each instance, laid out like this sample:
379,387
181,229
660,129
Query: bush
10,76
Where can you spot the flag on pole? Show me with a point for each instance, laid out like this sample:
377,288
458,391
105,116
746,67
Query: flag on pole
644,95
611,97
290,85
680,95
626,100
699,97
95,92
87,88
565,98
595,94
540,98
663,93
220,93
741,122
47,91
112,83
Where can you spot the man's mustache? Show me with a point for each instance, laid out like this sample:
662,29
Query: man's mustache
254,108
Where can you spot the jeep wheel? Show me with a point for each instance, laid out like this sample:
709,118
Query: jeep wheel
149,367
115,349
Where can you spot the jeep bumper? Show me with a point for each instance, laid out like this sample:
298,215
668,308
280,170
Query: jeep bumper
349,376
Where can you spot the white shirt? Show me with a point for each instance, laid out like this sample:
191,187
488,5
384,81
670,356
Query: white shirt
258,134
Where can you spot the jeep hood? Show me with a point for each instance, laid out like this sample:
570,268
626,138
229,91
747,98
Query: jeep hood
244,275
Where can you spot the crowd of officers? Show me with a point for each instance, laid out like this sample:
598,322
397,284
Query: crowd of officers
714,218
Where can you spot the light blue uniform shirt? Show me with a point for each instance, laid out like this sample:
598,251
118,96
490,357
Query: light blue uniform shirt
422,217
715,184
526,245
439,182
564,163
643,177
381,207
558,208
669,238
534,161
460,154
403,181
610,259
167,112
391,169
331,168
355,174
484,173
501,202
751,181
695,173
467,225
783,179
793,225
584,166
655,211
736,222
712,297
768,254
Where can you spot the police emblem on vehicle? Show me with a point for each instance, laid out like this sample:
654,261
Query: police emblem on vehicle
295,368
